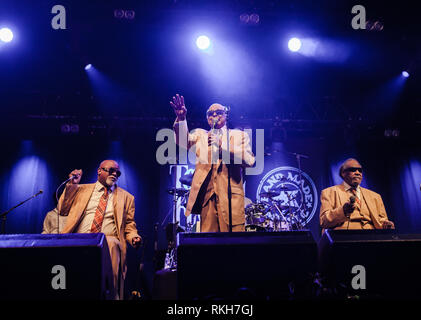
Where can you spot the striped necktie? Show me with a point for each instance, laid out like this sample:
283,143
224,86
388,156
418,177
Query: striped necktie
99,213
354,192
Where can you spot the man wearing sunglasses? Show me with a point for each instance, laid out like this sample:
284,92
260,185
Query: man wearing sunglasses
102,207
209,189
350,206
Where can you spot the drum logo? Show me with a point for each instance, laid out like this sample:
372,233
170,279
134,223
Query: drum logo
292,192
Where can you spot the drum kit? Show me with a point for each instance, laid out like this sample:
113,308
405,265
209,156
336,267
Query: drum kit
273,215
264,216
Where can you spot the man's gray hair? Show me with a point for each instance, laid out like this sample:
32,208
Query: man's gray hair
341,168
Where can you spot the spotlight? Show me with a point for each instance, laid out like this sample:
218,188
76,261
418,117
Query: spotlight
244,18
254,18
203,42
294,44
395,133
118,13
129,14
74,128
88,66
251,19
405,74
6,35
65,128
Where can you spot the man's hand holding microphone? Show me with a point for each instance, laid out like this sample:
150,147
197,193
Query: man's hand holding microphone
75,176
349,207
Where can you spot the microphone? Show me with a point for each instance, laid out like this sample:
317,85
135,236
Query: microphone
214,121
73,177
352,200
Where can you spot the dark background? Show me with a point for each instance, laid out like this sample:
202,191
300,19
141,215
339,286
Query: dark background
330,107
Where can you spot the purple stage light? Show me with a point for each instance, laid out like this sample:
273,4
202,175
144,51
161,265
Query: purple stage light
294,44
203,42
6,35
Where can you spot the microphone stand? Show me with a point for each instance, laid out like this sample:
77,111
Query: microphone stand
298,157
229,173
58,208
229,176
3,215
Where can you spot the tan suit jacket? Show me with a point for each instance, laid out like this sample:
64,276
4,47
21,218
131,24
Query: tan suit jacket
331,210
74,201
240,152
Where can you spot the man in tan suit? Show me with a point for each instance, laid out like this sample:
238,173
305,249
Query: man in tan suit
209,189
102,207
349,206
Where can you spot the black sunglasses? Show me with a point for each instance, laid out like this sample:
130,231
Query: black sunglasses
111,171
353,169
218,112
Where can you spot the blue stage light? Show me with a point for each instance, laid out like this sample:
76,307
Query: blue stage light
88,66
6,35
405,74
294,44
203,42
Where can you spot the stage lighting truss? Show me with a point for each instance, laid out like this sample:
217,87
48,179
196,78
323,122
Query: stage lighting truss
250,19
392,133
374,26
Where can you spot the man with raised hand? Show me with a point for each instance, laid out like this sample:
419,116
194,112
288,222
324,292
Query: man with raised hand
209,189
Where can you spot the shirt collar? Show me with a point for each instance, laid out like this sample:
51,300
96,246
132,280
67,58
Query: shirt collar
222,130
99,187
347,187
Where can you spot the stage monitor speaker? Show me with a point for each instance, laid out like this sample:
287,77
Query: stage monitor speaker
55,267
386,264
245,265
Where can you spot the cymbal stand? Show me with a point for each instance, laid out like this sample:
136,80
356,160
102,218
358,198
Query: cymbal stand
279,210
293,217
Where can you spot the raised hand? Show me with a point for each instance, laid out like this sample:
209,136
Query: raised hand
77,174
179,107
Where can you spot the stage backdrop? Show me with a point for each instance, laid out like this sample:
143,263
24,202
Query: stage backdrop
392,169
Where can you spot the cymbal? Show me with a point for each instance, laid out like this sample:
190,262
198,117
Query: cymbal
186,179
178,191
284,188
269,194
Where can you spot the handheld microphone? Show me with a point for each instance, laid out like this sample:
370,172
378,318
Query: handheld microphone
214,121
74,176
352,200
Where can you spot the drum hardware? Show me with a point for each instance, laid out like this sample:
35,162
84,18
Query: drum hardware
173,227
269,194
180,192
281,214
186,179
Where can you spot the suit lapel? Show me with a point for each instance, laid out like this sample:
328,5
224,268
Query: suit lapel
343,195
79,208
367,199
